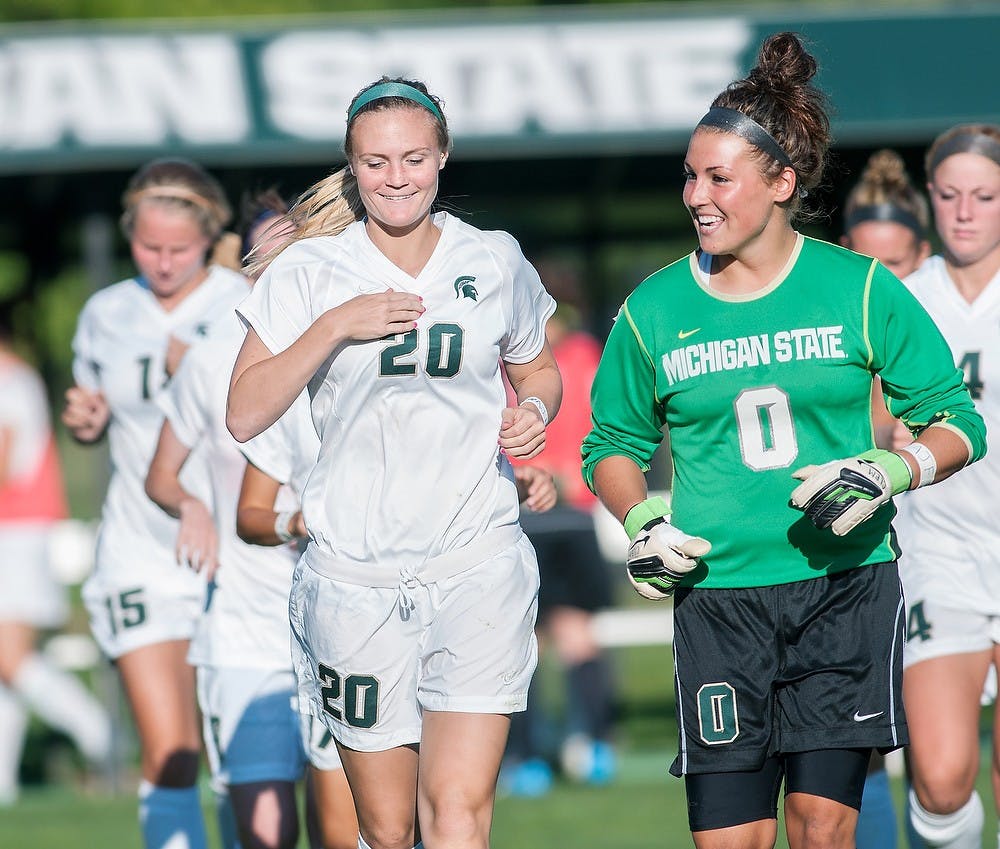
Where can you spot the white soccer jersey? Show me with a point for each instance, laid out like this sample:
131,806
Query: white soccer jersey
120,349
246,623
948,533
288,449
409,467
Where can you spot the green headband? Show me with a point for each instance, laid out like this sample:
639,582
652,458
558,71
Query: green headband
384,90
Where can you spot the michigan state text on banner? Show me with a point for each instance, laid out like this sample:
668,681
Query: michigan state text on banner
515,83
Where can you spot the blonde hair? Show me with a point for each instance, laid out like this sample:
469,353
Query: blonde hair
325,209
885,192
181,184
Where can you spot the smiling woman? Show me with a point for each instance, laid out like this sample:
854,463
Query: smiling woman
787,604
401,320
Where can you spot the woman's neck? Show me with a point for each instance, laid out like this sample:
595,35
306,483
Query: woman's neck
170,302
408,250
972,278
756,265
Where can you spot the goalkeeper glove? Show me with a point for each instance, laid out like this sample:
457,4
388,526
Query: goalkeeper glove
659,555
842,494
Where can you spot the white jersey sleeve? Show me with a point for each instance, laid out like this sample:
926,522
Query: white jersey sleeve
527,303
287,451
279,307
86,369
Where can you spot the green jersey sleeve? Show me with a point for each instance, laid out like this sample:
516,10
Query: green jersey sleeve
628,417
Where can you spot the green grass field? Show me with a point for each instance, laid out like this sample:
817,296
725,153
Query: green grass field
643,808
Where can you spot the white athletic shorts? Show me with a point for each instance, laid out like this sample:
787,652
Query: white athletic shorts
29,592
138,596
321,749
952,606
936,630
369,660
250,724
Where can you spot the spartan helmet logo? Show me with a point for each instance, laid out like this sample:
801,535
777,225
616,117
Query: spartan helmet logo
465,289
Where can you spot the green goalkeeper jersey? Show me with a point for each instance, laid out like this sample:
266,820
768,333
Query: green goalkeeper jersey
754,387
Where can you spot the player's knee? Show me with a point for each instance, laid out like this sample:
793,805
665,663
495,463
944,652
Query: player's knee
454,823
273,824
821,826
944,790
389,836
171,767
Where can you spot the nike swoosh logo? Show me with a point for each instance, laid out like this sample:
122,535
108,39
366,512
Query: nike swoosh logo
683,334
861,717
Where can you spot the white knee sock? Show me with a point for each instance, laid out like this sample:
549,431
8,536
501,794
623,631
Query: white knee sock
61,700
170,817
962,829
13,723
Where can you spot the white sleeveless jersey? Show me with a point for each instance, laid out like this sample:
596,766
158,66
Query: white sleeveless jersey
949,532
409,466
120,349
246,621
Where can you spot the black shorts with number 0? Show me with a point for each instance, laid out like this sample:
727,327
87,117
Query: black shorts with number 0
796,667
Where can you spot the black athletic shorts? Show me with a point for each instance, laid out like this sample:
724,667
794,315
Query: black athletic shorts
572,571
797,667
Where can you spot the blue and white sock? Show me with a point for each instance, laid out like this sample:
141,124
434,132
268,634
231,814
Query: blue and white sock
170,817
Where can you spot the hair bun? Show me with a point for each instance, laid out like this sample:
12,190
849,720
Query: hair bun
886,168
783,64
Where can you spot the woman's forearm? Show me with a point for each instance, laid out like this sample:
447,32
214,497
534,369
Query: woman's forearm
620,484
544,384
255,525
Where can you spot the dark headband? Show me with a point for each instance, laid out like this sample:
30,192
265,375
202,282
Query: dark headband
384,90
885,212
734,121
970,141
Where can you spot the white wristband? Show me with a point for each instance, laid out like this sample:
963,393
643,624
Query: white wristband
926,462
282,524
542,411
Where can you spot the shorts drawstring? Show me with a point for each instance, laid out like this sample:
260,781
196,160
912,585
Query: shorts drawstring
408,582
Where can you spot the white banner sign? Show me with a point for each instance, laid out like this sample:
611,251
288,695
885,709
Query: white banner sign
512,80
